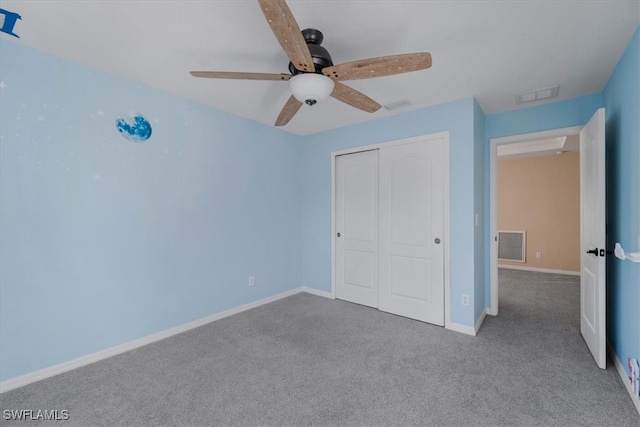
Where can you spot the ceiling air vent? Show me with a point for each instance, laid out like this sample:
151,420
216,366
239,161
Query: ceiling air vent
397,105
537,95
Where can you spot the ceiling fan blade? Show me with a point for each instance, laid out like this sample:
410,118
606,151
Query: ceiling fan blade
288,33
354,98
288,111
240,76
379,67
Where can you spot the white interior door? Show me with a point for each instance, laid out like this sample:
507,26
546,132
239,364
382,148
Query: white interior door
412,230
357,227
593,239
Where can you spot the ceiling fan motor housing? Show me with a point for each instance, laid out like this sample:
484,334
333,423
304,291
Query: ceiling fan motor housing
319,54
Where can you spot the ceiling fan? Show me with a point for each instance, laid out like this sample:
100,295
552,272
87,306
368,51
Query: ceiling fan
313,76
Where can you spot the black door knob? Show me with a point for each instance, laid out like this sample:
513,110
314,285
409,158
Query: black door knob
593,251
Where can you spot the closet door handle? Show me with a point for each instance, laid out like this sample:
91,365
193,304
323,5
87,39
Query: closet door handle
437,240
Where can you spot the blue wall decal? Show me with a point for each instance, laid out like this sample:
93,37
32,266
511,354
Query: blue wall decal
134,127
10,19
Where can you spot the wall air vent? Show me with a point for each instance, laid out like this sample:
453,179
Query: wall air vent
397,105
512,245
537,95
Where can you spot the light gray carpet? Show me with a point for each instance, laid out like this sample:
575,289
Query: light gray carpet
307,360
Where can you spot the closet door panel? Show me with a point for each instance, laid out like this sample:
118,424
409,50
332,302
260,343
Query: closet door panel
357,227
411,226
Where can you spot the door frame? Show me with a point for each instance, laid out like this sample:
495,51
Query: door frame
446,179
493,192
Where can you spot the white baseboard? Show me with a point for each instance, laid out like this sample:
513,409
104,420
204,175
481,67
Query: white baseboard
473,331
457,327
51,371
480,320
540,270
624,376
317,292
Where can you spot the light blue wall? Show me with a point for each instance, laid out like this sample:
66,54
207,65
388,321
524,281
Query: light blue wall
456,117
622,103
572,112
478,192
104,240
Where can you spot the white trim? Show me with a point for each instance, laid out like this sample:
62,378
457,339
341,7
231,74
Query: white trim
540,270
447,177
480,320
493,203
317,292
51,371
473,331
493,229
392,143
333,225
457,327
623,376
447,236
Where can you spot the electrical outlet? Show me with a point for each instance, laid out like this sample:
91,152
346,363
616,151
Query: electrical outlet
539,255
465,299
251,281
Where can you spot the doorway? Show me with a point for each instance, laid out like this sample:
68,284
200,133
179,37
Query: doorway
509,141
538,205
538,210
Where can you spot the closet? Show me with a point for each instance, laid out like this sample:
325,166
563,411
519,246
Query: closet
389,228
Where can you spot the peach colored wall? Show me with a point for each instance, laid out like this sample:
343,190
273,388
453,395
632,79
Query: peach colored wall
541,195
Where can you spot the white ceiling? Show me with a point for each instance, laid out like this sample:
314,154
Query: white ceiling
487,49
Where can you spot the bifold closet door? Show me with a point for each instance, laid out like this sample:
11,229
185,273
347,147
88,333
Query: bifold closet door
411,231
356,225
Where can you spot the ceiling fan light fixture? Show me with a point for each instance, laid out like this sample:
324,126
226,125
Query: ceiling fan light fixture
311,88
